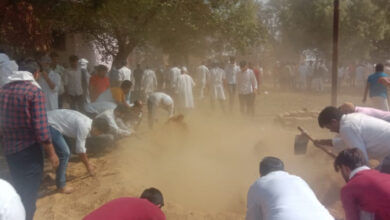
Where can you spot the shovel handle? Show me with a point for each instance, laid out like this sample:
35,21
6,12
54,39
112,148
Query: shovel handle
304,132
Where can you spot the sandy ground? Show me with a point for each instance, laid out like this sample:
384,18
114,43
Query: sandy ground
206,172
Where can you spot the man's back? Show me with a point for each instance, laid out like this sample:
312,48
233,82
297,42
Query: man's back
281,196
127,209
367,190
22,116
371,135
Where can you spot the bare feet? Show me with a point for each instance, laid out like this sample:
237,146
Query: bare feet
66,190
91,170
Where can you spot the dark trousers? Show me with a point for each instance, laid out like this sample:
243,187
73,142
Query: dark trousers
385,166
76,102
247,104
60,101
231,88
26,169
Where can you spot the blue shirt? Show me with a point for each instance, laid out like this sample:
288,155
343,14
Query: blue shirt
377,89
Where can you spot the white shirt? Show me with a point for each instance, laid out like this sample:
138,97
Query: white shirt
117,129
51,95
72,124
174,73
73,82
371,135
281,196
231,70
99,107
246,82
159,99
11,206
217,76
106,96
124,73
61,71
203,73
149,81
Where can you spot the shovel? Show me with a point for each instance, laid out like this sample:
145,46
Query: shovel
301,141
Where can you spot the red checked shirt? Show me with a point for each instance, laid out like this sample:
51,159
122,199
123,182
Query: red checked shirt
23,119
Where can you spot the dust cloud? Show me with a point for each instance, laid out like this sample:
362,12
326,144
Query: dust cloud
204,172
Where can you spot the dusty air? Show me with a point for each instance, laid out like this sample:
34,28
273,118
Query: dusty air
196,110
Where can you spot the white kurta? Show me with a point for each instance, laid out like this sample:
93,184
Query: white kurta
51,95
203,75
149,82
11,207
371,135
231,70
281,196
184,91
72,124
73,82
217,76
174,74
160,99
61,71
202,72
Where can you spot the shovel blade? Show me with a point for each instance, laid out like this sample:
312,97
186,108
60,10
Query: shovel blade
300,144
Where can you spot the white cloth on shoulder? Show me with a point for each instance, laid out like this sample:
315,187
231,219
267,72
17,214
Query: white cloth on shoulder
11,206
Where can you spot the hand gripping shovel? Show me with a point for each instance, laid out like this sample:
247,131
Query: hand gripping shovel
301,141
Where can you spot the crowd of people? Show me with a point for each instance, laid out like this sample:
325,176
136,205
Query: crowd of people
47,110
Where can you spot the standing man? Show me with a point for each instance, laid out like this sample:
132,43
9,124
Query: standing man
24,130
377,89
60,70
125,74
231,71
73,84
279,195
50,82
174,73
185,98
247,88
203,75
366,190
217,80
99,82
137,80
149,82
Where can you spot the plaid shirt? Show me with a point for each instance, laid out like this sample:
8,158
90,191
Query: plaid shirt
23,119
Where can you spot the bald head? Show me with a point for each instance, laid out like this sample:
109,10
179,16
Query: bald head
347,108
